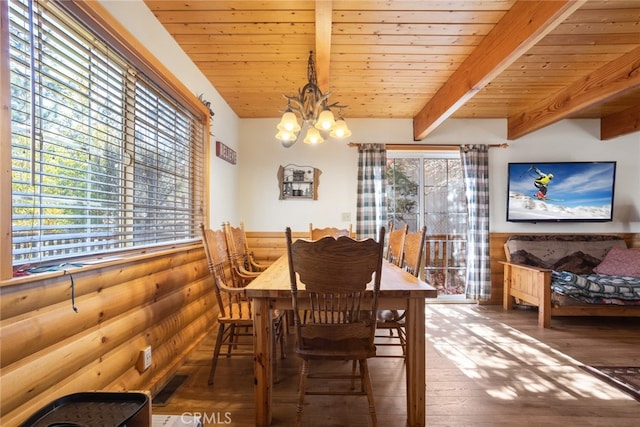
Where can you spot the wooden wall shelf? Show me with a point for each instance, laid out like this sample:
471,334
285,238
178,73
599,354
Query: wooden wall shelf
297,182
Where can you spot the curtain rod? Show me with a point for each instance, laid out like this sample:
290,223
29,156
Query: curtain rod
434,147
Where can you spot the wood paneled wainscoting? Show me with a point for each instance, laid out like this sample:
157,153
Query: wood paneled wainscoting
163,300
268,246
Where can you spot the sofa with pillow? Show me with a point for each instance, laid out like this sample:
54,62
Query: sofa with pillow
572,275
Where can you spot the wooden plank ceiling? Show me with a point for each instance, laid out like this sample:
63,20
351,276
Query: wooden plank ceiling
532,62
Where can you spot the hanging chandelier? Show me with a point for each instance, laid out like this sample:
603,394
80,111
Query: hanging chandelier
315,113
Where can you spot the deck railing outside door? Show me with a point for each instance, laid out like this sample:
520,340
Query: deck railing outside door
445,262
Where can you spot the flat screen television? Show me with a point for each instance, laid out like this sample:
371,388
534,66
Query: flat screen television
561,191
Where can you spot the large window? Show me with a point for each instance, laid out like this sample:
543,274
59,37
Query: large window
103,159
428,189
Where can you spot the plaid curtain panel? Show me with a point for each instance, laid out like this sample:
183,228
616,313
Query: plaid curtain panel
475,166
372,190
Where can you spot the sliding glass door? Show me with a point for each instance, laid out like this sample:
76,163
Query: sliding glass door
428,189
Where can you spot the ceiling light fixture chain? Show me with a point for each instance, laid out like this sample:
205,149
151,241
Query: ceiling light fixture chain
314,111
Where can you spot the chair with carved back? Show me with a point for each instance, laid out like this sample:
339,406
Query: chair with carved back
317,233
244,267
235,314
250,260
394,320
395,244
333,275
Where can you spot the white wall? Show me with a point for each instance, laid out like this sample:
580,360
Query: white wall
567,140
261,155
572,140
249,191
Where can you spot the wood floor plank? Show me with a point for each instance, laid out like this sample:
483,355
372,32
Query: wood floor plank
485,367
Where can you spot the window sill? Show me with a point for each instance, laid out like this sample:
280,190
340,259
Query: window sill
95,263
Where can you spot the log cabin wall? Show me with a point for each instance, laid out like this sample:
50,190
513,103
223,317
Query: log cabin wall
268,246
162,300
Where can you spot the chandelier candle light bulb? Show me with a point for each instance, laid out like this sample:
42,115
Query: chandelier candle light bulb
325,120
340,130
313,136
289,122
285,136
314,111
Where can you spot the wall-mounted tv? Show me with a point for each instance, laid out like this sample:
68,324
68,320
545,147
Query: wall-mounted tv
561,191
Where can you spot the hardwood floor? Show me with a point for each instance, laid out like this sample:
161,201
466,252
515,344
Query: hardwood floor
485,367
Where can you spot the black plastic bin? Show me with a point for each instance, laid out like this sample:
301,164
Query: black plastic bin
91,409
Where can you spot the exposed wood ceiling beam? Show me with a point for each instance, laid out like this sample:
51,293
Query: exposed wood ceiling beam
615,78
519,29
621,123
324,9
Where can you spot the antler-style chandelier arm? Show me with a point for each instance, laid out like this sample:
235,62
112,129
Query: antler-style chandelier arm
311,105
309,102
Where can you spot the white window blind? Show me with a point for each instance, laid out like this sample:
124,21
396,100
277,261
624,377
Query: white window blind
102,158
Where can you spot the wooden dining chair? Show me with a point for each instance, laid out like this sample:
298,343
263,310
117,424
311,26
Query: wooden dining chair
317,233
235,314
413,251
394,320
243,266
395,244
328,278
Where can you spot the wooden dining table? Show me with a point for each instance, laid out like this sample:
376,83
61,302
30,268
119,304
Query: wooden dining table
399,290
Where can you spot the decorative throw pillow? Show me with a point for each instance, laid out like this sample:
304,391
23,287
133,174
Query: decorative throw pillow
620,262
578,263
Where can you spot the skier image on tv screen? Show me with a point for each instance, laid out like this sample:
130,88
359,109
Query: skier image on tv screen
541,182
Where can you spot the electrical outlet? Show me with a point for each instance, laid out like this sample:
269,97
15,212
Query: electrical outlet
147,358
346,216
144,360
